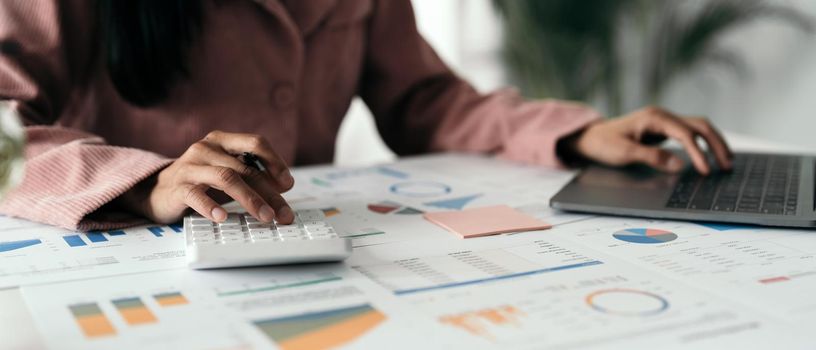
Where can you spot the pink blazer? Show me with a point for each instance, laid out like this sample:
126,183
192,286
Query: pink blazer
286,70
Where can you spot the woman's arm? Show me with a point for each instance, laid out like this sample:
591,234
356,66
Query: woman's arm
69,174
78,181
421,106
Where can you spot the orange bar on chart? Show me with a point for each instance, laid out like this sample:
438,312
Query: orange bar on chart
91,320
134,311
170,299
480,322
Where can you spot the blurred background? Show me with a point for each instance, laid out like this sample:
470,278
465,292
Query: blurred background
748,65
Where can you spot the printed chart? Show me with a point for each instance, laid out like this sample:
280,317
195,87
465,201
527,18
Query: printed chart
627,302
766,267
644,236
420,189
77,255
95,323
14,245
480,322
321,330
91,320
482,263
458,203
81,240
390,207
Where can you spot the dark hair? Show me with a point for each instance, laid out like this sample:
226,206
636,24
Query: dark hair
145,43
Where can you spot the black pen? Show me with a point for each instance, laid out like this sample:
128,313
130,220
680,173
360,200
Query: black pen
253,161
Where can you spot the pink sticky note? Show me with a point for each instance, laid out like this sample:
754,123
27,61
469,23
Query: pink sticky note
485,221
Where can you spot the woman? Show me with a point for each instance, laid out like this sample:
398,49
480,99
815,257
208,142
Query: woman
135,109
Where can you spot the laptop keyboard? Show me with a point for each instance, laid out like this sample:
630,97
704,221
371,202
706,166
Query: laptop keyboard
758,184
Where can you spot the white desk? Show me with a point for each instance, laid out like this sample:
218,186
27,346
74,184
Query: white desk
17,330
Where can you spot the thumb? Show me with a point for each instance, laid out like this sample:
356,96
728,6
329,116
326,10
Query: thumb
657,158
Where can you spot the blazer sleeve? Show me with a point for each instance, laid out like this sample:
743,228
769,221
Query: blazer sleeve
70,175
420,105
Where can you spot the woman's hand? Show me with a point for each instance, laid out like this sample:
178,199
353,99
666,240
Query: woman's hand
211,164
631,139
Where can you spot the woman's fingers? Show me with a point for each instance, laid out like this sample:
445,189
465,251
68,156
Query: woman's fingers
195,197
667,124
230,182
626,140
654,157
209,154
285,214
715,141
238,143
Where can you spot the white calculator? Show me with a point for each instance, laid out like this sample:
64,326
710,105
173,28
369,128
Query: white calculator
241,240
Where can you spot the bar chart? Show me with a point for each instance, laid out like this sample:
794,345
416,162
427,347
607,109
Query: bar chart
96,237
91,320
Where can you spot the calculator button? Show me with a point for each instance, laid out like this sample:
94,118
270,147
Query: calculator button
255,226
322,229
232,219
313,223
261,232
294,238
323,235
288,231
261,237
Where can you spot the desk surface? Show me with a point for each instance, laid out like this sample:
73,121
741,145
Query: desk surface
18,330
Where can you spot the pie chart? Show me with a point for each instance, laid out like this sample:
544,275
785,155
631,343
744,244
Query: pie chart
627,302
644,236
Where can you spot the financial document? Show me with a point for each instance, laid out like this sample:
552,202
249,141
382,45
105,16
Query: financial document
587,283
32,253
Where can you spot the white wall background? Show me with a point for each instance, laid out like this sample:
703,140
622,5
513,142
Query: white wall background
465,33
777,102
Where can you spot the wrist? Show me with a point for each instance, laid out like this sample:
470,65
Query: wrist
567,150
136,199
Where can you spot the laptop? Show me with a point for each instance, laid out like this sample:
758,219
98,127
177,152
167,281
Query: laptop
762,189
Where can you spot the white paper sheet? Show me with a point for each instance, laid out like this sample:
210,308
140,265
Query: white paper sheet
770,269
32,253
590,282
236,309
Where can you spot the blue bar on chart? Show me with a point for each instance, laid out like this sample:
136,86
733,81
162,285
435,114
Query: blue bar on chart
176,228
155,230
116,233
74,241
96,237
